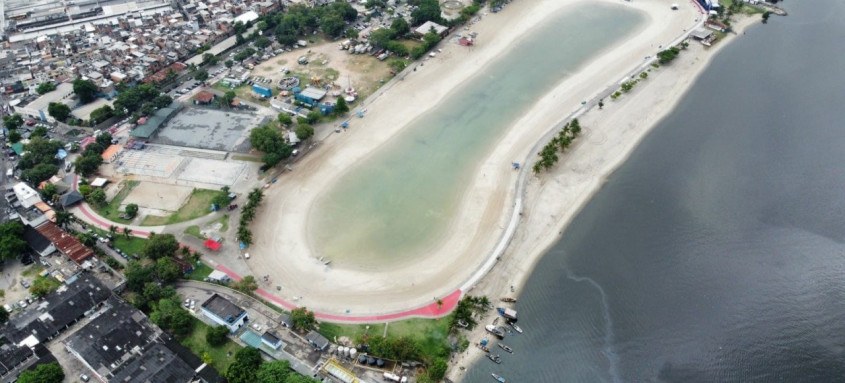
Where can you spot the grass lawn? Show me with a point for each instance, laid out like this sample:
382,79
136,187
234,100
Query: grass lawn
432,334
32,270
220,358
200,272
132,245
112,210
194,231
244,92
240,157
197,206
224,223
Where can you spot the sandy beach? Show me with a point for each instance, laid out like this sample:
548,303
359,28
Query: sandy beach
555,198
281,248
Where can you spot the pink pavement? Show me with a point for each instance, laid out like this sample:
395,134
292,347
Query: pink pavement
432,310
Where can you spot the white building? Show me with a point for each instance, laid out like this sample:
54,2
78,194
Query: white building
27,196
224,313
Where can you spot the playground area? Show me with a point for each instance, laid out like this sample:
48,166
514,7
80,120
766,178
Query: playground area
152,195
207,128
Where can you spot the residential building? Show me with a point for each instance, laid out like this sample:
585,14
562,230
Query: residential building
224,313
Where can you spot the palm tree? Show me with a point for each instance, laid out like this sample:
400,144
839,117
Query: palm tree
112,230
126,232
62,218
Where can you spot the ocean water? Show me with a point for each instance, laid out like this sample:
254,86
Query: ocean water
716,253
399,200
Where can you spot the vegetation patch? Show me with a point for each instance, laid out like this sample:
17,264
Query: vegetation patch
129,245
111,210
201,271
220,357
194,231
198,205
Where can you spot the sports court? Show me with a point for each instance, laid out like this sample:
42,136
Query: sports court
158,196
153,161
211,171
208,129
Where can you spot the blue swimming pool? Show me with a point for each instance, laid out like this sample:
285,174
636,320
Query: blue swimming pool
251,338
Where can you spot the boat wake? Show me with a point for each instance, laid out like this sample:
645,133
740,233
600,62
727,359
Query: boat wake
609,336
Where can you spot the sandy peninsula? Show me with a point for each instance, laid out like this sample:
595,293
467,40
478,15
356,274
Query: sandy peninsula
281,247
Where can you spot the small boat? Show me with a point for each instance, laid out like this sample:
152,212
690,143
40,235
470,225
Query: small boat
495,331
515,327
509,314
498,378
495,358
508,299
506,348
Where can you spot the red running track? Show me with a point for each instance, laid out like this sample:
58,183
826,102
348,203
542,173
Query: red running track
432,310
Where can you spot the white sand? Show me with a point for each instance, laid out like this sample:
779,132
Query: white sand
555,198
281,249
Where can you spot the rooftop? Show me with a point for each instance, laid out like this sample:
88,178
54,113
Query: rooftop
65,242
222,308
62,91
155,121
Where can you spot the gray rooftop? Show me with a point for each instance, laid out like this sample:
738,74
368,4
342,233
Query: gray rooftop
222,308
313,93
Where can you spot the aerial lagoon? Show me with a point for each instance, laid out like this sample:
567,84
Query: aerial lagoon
402,198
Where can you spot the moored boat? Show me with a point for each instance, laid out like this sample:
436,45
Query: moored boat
499,378
507,313
495,331
495,358
515,327
506,348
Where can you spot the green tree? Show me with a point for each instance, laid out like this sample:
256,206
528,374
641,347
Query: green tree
244,369
340,107
42,286
437,370
332,25
274,372
131,210
4,316
127,232
58,111
303,319
167,270
304,132
229,63
400,27
39,131
40,172
201,75
43,373
11,240
209,59
169,315
45,87
86,90
766,16
262,42
137,275
160,246
217,336
13,121
102,113
97,197
86,165
284,119
428,10
246,285
14,136
221,199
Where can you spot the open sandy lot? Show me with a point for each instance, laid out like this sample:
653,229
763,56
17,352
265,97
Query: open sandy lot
158,196
210,171
281,247
329,65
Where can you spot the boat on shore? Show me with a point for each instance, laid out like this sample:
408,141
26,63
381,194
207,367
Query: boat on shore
508,299
495,358
507,313
499,378
495,331
506,348
515,327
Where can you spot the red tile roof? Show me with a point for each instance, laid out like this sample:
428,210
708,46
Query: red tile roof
66,243
204,97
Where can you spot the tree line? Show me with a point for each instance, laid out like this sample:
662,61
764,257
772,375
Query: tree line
248,214
561,142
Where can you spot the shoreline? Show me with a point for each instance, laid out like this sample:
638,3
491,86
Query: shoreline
546,231
344,292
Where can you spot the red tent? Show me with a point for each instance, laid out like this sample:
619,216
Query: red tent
212,244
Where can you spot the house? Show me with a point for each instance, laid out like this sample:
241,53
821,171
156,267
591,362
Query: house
110,153
70,198
428,26
37,242
318,341
204,98
271,340
223,312
310,96
66,244
27,196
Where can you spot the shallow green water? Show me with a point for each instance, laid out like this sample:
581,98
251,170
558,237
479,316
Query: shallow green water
402,198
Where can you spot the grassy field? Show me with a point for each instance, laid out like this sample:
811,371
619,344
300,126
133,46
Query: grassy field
220,356
432,334
132,245
194,231
112,210
244,92
200,272
197,206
